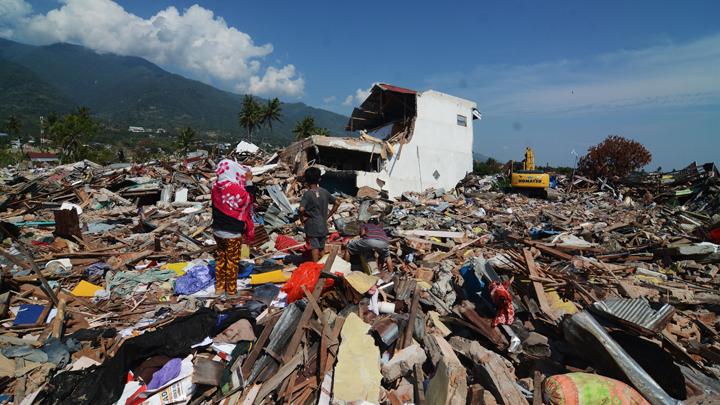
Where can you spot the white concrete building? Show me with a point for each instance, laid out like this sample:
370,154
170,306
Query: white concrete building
417,140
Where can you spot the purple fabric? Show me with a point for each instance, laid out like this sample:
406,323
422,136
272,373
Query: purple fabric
170,370
194,280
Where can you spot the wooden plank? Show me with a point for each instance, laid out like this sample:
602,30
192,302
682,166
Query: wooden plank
312,302
59,321
419,391
548,250
46,287
257,348
307,313
334,344
431,234
537,388
481,325
323,351
537,286
272,383
499,375
407,339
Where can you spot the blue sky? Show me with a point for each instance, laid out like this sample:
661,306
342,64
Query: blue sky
555,75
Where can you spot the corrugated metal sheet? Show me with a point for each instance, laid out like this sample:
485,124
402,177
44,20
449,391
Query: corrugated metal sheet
279,198
635,311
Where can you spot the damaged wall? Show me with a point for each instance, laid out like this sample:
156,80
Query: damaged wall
440,151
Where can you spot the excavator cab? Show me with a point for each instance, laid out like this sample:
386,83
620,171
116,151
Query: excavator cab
524,178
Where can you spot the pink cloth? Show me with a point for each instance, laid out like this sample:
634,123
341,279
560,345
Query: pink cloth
503,301
229,194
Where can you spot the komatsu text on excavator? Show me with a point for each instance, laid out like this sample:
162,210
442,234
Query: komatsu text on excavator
526,179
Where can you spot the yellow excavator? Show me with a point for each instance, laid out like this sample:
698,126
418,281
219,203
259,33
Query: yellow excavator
526,179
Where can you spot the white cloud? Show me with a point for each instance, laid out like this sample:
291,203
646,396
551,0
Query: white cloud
665,75
14,9
194,41
278,81
10,11
359,96
329,99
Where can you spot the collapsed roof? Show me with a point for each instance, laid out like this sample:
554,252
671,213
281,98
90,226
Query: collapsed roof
384,105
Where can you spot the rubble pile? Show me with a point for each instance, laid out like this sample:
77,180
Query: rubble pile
608,292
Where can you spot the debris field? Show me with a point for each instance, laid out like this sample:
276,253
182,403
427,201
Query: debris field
606,291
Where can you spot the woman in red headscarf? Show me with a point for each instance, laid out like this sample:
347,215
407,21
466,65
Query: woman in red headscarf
232,221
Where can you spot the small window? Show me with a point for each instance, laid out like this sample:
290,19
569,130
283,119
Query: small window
462,120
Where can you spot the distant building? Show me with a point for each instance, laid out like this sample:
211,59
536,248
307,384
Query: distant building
136,129
193,158
43,157
3,134
431,131
160,131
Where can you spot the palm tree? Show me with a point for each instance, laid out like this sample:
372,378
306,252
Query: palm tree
250,116
305,128
185,139
13,125
272,112
72,132
321,132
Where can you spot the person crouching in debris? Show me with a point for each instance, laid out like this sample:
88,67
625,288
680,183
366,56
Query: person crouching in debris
373,239
232,220
314,212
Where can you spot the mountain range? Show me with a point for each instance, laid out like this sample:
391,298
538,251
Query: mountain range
124,91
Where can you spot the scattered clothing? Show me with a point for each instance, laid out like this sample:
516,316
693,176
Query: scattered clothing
195,279
25,352
283,242
238,331
265,293
123,283
170,370
85,335
96,270
57,352
503,301
147,368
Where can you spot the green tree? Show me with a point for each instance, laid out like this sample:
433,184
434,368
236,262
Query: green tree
72,132
185,139
305,128
13,126
272,112
250,116
321,131
490,166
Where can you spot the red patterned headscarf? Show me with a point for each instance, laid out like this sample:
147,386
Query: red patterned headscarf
229,194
